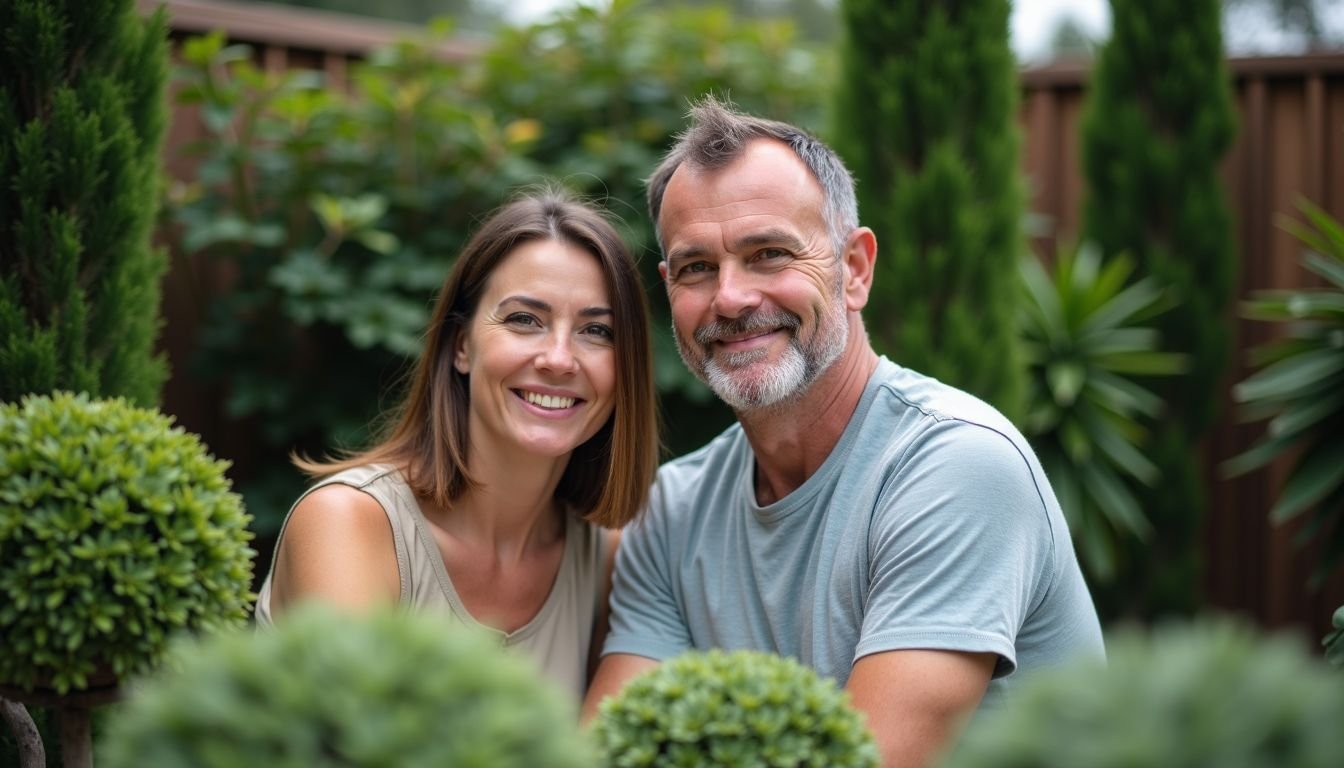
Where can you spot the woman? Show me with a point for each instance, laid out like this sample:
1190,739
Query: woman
529,427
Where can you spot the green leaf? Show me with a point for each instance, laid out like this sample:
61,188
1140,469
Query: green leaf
1115,499
1291,377
1066,381
1257,456
1319,473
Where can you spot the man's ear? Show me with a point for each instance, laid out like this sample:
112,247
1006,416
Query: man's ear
859,258
662,269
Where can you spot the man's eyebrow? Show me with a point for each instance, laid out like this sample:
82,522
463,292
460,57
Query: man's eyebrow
685,253
771,236
541,306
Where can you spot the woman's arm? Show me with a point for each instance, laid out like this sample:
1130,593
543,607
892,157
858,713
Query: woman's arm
337,548
600,620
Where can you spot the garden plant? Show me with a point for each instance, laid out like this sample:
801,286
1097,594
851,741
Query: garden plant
925,118
325,689
82,115
1208,693
742,708
117,530
1085,345
1157,122
1299,390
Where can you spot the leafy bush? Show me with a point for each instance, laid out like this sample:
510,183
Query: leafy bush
82,115
336,215
1300,390
1083,346
926,117
1192,695
741,708
323,689
117,529
1158,120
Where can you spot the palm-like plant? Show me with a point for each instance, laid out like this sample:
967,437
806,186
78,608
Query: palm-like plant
1299,388
1083,343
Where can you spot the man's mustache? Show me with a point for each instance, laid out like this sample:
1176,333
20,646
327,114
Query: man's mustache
749,323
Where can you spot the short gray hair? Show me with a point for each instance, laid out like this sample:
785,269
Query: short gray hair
719,134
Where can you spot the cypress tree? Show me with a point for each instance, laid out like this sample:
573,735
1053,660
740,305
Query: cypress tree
1158,120
926,121
82,115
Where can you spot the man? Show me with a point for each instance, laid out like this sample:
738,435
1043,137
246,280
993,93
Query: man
892,532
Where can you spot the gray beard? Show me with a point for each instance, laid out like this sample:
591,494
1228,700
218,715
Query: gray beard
786,380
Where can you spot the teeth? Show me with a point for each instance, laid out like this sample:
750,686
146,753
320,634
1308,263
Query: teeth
553,402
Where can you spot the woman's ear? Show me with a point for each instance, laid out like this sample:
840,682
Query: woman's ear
461,357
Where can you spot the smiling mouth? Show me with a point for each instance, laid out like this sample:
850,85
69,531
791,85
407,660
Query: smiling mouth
747,337
549,402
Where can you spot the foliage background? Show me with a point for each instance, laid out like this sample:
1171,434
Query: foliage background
337,214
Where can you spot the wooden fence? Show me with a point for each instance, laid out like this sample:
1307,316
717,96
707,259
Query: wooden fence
1290,145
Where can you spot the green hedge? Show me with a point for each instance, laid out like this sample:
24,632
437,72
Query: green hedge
341,212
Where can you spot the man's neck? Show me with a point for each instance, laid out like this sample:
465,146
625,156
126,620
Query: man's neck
790,441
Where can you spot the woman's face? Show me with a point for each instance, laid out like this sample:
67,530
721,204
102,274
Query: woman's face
539,353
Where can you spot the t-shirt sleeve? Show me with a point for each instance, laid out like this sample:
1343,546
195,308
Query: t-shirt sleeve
646,619
960,545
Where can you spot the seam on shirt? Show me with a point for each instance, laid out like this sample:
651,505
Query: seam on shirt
939,416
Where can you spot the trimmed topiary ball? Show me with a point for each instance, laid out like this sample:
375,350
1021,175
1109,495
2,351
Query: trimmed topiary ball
1207,694
117,529
740,708
323,689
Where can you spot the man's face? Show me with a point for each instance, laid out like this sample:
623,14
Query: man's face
757,292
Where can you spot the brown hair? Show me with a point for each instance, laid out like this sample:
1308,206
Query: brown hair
608,476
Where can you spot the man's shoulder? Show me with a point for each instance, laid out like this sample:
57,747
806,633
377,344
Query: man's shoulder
905,388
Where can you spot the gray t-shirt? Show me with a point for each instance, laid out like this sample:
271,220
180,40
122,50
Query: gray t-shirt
930,526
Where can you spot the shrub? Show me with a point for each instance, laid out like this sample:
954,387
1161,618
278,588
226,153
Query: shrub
1158,120
323,689
1084,347
82,115
117,529
926,118
1191,695
1300,390
742,708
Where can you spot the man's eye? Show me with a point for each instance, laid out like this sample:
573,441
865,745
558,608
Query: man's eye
694,268
773,253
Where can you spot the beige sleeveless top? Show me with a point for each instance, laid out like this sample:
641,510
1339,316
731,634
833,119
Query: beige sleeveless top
558,637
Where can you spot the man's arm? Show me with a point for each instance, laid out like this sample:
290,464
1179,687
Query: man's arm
613,673
916,701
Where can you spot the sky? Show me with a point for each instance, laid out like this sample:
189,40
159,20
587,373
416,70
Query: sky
1032,22
1249,29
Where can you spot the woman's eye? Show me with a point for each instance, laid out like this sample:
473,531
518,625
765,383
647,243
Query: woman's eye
523,319
601,331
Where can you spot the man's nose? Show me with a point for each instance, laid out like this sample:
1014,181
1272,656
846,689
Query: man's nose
736,293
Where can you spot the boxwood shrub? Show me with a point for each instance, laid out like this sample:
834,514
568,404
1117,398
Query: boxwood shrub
323,689
117,529
742,708
1203,694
